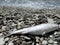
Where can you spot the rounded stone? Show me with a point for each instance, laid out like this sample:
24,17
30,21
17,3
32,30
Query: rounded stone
2,41
49,44
6,39
41,39
1,34
44,42
55,42
51,36
3,27
10,43
50,41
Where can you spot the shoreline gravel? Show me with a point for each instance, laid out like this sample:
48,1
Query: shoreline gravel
14,18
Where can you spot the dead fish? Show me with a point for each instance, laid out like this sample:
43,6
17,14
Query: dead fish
38,29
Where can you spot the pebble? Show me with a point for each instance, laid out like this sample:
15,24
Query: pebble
37,44
50,41
51,36
49,44
6,39
3,27
55,43
50,20
58,33
13,24
37,39
44,42
10,43
2,41
41,39
25,37
24,43
55,33
1,34
19,18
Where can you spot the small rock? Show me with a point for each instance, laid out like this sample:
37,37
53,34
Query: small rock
41,39
3,27
24,43
55,43
37,39
44,42
26,37
13,24
58,33
2,41
10,43
37,44
51,36
49,44
6,39
1,34
50,41
55,33
50,20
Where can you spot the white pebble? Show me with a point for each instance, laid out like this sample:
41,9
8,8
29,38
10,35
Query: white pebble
55,42
1,34
50,41
55,33
2,41
3,27
37,44
50,20
10,43
44,42
41,39
51,36
49,44
6,39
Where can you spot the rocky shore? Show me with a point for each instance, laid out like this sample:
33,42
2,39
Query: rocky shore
15,18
